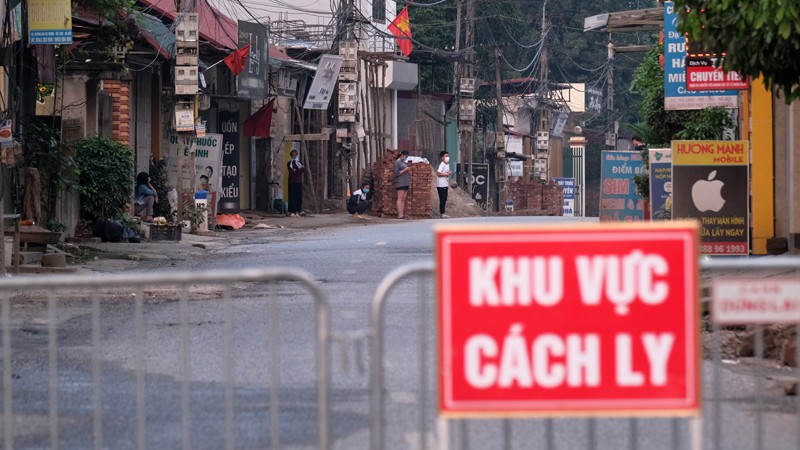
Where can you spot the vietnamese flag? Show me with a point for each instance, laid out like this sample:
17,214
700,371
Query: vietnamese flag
237,60
401,29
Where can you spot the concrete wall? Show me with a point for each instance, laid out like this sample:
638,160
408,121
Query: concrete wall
787,171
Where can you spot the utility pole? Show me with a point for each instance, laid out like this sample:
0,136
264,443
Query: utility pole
466,90
186,91
499,135
348,95
611,131
542,151
500,143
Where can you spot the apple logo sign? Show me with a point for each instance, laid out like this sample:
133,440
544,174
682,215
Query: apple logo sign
707,195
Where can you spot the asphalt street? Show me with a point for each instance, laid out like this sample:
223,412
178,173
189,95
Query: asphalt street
348,263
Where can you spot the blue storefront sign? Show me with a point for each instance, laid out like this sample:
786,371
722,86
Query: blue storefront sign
676,96
568,210
619,200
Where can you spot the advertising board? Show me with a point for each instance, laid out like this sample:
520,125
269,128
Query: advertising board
599,319
568,184
660,161
709,180
676,95
619,200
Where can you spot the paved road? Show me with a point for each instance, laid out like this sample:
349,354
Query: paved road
349,263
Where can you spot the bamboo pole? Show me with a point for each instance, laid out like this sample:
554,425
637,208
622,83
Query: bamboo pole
306,159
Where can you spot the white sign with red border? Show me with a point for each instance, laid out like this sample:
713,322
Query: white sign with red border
589,320
756,301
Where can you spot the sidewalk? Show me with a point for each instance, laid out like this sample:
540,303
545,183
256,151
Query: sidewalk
115,257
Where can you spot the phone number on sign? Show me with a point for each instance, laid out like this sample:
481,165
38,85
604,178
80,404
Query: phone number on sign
724,248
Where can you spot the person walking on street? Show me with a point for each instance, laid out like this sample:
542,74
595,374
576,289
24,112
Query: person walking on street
443,181
358,203
402,181
296,171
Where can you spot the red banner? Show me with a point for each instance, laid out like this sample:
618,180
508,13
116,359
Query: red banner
568,320
701,75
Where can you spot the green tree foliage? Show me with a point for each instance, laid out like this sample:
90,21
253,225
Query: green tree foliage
108,9
660,126
44,150
760,38
159,178
516,28
105,169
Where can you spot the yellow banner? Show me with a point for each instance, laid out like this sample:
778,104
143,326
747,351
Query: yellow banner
710,153
50,21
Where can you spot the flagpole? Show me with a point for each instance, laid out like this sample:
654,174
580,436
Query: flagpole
223,59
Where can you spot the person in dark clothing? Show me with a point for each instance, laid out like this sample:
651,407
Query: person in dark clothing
637,143
358,203
145,196
402,181
296,171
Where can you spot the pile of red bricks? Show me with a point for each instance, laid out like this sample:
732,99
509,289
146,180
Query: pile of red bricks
384,202
535,197
552,199
418,203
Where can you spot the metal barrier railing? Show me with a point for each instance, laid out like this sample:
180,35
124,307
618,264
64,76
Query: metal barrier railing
705,431
30,420
735,268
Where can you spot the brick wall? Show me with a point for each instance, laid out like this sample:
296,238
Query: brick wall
534,197
120,92
418,203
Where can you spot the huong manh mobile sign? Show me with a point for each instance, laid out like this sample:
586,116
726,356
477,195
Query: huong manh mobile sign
597,319
709,183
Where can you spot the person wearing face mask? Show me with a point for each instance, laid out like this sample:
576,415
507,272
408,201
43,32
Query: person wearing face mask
296,171
442,181
402,181
358,202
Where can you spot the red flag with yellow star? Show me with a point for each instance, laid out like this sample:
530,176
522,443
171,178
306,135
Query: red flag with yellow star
401,29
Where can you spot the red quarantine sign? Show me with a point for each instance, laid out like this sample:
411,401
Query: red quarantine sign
593,320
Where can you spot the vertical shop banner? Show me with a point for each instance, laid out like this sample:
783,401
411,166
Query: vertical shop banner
566,320
479,179
229,189
252,81
660,160
568,210
208,163
49,22
709,180
321,90
676,95
618,197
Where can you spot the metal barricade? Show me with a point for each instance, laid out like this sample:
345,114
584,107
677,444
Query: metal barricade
753,389
165,360
723,400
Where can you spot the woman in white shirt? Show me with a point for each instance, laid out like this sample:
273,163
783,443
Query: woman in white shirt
442,181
